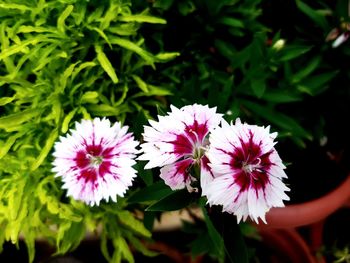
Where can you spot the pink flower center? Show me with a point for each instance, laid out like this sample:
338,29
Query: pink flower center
251,166
192,141
93,162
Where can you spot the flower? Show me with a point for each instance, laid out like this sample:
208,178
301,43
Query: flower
247,171
177,142
95,161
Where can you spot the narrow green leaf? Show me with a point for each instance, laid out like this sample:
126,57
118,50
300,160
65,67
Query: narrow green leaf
314,85
258,87
216,238
103,109
127,44
89,97
229,21
36,29
102,34
20,47
29,239
166,56
154,192
123,96
15,195
128,219
77,70
106,64
15,6
313,14
140,246
281,96
8,144
175,201
66,74
281,120
306,69
16,119
62,18
293,51
140,83
122,251
67,120
6,100
142,19
46,149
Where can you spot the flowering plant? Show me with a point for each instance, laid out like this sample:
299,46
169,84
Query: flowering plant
231,165
102,129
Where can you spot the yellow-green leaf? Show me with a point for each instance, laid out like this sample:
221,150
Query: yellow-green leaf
140,83
6,100
16,119
67,120
46,149
62,18
89,97
106,64
129,220
142,19
127,44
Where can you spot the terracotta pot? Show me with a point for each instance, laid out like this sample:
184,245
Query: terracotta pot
310,212
280,231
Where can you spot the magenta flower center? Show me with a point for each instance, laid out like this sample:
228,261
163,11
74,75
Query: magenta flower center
93,162
192,141
251,166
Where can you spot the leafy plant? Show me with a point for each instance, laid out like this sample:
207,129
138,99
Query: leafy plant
62,61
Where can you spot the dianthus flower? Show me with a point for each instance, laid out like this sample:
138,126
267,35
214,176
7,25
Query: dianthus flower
177,143
95,161
247,171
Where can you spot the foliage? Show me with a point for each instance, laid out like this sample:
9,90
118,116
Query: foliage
64,60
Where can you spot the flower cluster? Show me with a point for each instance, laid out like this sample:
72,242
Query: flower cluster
233,165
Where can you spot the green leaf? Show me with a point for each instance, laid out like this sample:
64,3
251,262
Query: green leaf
258,87
216,238
67,120
281,120
106,64
6,100
175,201
8,144
140,83
122,251
293,51
306,69
142,19
312,13
103,110
154,192
90,97
281,96
13,120
229,21
62,18
102,34
140,246
128,219
166,56
15,6
315,85
46,149
20,47
127,44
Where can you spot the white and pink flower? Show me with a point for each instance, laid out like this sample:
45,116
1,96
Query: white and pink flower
95,161
177,142
247,171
